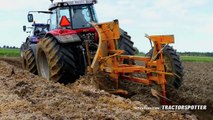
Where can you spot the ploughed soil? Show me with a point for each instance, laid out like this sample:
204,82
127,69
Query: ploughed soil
27,96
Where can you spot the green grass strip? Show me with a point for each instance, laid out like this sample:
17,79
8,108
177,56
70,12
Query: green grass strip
196,59
6,52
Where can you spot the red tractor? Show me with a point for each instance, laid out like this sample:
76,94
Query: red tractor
76,44
60,55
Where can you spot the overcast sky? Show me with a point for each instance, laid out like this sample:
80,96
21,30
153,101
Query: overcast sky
191,21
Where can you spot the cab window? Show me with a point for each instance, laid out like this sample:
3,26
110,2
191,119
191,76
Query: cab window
81,17
63,12
53,21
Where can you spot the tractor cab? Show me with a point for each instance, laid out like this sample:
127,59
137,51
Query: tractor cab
39,30
36,32
72,14
73,17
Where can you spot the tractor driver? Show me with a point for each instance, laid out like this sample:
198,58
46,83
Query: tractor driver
79,20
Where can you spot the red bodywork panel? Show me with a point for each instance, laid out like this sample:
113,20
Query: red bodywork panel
64,32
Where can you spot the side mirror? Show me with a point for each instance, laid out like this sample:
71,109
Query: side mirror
24,28
30,17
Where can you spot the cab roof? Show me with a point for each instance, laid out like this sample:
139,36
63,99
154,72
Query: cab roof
40,24
70,3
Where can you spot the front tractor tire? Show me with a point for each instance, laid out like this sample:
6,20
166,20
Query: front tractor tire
29,62
56,62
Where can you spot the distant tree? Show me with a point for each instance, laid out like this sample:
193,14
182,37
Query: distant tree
142,53
136,50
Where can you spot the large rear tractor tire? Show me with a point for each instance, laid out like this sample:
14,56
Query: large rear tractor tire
56,62
172,65
29,62
125,43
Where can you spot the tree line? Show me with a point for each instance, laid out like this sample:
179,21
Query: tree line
9,47
208,54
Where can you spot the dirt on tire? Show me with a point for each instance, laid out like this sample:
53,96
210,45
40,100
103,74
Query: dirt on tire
30,62
27,96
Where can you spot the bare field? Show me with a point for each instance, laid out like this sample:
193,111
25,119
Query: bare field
26,96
